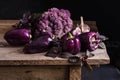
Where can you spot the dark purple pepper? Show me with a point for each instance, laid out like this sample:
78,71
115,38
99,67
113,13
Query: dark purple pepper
89,40
38,45
71,44
17,37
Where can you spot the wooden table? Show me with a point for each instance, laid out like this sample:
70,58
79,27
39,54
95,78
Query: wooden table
37,66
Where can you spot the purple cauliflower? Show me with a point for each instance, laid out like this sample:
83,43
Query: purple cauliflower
56,22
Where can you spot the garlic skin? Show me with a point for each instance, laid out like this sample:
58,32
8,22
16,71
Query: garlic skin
80,28
77,31
84,27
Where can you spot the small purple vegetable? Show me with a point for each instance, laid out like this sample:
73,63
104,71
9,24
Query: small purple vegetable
17,37
89,40
38,45
71,44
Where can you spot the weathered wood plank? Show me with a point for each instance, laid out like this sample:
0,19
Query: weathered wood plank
75,73
34,73
100,56
6,25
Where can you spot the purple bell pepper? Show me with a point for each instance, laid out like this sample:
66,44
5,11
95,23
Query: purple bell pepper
38,45
89,41
71,44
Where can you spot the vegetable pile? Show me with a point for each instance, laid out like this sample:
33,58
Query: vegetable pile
53,32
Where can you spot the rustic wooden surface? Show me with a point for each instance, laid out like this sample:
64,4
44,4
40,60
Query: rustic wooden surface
6,25
10,55
14,56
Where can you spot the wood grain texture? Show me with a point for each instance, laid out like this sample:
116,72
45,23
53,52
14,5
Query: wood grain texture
75,73
6,25
34,73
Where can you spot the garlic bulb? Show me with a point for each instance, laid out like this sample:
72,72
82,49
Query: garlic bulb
84,27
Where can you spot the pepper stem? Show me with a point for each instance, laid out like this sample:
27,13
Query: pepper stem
70,35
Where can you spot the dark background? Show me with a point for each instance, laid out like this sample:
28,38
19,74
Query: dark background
104,12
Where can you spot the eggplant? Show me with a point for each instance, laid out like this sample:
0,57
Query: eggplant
89,41
38,45
17,37
71,43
